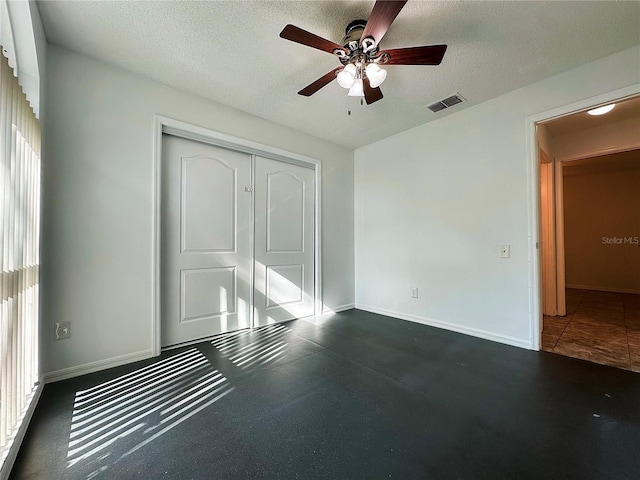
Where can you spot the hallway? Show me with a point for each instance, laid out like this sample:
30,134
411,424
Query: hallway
601,327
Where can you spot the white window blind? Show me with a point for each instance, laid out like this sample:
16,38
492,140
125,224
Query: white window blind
19,254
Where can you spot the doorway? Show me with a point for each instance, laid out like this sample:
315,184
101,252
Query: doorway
238,240
589,229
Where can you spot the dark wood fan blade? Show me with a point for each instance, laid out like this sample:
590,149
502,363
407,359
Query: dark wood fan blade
321,82
298,35
382,16
429,55
371,95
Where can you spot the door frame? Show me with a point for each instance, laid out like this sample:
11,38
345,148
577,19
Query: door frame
189,131
548,232
533,197
554,239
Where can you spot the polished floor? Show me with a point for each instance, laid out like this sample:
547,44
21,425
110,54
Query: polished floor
601,327
356,396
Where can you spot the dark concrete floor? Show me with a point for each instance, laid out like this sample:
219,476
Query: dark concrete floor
359,396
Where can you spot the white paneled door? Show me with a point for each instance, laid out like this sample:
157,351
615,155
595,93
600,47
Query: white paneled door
284,241
206,240
210,254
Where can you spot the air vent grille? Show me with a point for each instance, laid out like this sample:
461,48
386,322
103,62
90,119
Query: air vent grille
436,107
445,103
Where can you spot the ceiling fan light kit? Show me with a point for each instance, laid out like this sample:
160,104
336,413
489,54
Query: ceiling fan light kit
357,90
375,74
347,76
360,54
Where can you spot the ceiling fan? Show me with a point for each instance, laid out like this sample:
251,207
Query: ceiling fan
359,54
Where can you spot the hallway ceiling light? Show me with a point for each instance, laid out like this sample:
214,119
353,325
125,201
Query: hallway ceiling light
601,110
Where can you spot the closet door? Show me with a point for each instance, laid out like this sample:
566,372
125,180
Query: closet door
284,241
206,240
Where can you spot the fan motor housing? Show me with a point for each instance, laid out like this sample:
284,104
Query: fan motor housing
358,47
353,33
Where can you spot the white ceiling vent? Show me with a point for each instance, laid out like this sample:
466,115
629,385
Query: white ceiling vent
450,101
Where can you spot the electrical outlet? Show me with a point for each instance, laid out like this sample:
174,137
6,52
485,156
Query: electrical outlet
63,330
505,251
414,292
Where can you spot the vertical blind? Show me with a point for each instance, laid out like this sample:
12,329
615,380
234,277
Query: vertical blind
19,254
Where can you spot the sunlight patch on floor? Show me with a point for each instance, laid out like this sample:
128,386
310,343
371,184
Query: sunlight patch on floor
134,409
254,347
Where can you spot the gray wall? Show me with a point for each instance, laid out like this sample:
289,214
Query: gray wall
439,199
97,206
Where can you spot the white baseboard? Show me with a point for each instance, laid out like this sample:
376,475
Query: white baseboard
603,289
92,367
474,332
340,308
7,465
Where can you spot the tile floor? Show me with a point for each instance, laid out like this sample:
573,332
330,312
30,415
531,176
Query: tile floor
601,327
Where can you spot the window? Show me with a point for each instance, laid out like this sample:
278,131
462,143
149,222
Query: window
19,255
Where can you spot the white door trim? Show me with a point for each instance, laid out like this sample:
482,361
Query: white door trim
533,197
189,131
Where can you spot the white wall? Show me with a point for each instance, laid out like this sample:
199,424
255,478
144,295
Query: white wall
97,205
434,203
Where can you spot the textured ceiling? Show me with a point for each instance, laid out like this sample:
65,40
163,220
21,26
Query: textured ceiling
231,53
